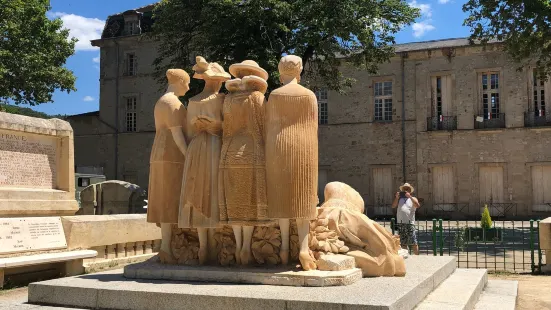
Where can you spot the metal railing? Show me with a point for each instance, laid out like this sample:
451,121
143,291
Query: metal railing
441,123
511,246
495,121
531,119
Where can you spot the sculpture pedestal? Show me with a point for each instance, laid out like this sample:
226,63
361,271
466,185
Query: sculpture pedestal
111,290
277,275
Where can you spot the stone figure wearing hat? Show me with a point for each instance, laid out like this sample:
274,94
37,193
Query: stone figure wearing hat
199,194
242,173
167,159
292,157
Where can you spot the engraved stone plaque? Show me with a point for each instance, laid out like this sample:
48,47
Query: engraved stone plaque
27,160
31,234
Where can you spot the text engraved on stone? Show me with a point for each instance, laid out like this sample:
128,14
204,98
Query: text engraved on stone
27,160
31,234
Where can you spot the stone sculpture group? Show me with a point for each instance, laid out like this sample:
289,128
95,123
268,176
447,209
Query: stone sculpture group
236,160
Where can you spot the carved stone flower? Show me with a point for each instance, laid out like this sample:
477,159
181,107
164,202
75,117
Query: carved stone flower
266,243
225,245
185,245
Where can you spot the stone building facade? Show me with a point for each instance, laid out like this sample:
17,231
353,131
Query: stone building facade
459,122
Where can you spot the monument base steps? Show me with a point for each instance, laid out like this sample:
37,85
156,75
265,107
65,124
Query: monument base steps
460,291
111,290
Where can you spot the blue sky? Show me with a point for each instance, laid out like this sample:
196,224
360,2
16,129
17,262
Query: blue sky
85,19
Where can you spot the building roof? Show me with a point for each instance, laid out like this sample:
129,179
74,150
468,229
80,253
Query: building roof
434,44
93,113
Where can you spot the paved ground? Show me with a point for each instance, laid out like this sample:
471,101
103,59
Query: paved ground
534,291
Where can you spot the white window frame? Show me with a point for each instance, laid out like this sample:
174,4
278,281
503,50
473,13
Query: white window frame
539,95
382,99
489,85
323,114
131,66
131,103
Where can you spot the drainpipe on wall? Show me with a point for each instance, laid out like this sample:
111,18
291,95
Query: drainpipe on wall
403,58
117,114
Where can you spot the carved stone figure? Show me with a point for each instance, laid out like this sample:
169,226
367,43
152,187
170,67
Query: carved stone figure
372,246
292,157
199,195
167,159
242,188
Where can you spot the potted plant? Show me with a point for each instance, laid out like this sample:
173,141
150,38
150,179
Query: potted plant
485,233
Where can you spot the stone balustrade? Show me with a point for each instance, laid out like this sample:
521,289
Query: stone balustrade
117,238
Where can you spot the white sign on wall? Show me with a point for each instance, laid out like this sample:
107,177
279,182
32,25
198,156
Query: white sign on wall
31,234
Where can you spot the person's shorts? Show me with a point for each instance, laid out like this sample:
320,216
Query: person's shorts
408,234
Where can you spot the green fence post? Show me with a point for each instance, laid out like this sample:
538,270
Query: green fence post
441,238
532,245
393,225
434,236
539,249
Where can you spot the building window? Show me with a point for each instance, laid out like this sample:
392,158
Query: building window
442,117
131,64
490,95
383,101
538,94
131,27
323,115
131,114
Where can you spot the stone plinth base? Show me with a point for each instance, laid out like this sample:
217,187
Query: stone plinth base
111,290
281,276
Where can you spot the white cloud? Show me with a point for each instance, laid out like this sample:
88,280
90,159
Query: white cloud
88,98
419,29
425,8
96,59
82,28
443,1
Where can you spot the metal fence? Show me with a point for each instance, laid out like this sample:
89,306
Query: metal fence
511,246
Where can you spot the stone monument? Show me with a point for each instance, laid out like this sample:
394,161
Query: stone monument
292,157
167,159
36,167
249,186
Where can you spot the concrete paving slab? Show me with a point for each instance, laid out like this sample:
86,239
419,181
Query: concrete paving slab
110,290
499,294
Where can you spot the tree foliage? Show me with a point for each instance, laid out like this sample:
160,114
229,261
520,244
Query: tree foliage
322,32
33,51
524,26
7,108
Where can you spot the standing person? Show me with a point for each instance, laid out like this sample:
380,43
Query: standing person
243,201
292,157
405,217
167,159
199,195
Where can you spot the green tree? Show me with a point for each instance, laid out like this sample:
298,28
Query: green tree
33,51
524,26
322,32
486,220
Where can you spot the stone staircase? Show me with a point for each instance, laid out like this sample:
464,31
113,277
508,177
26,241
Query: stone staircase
467,289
